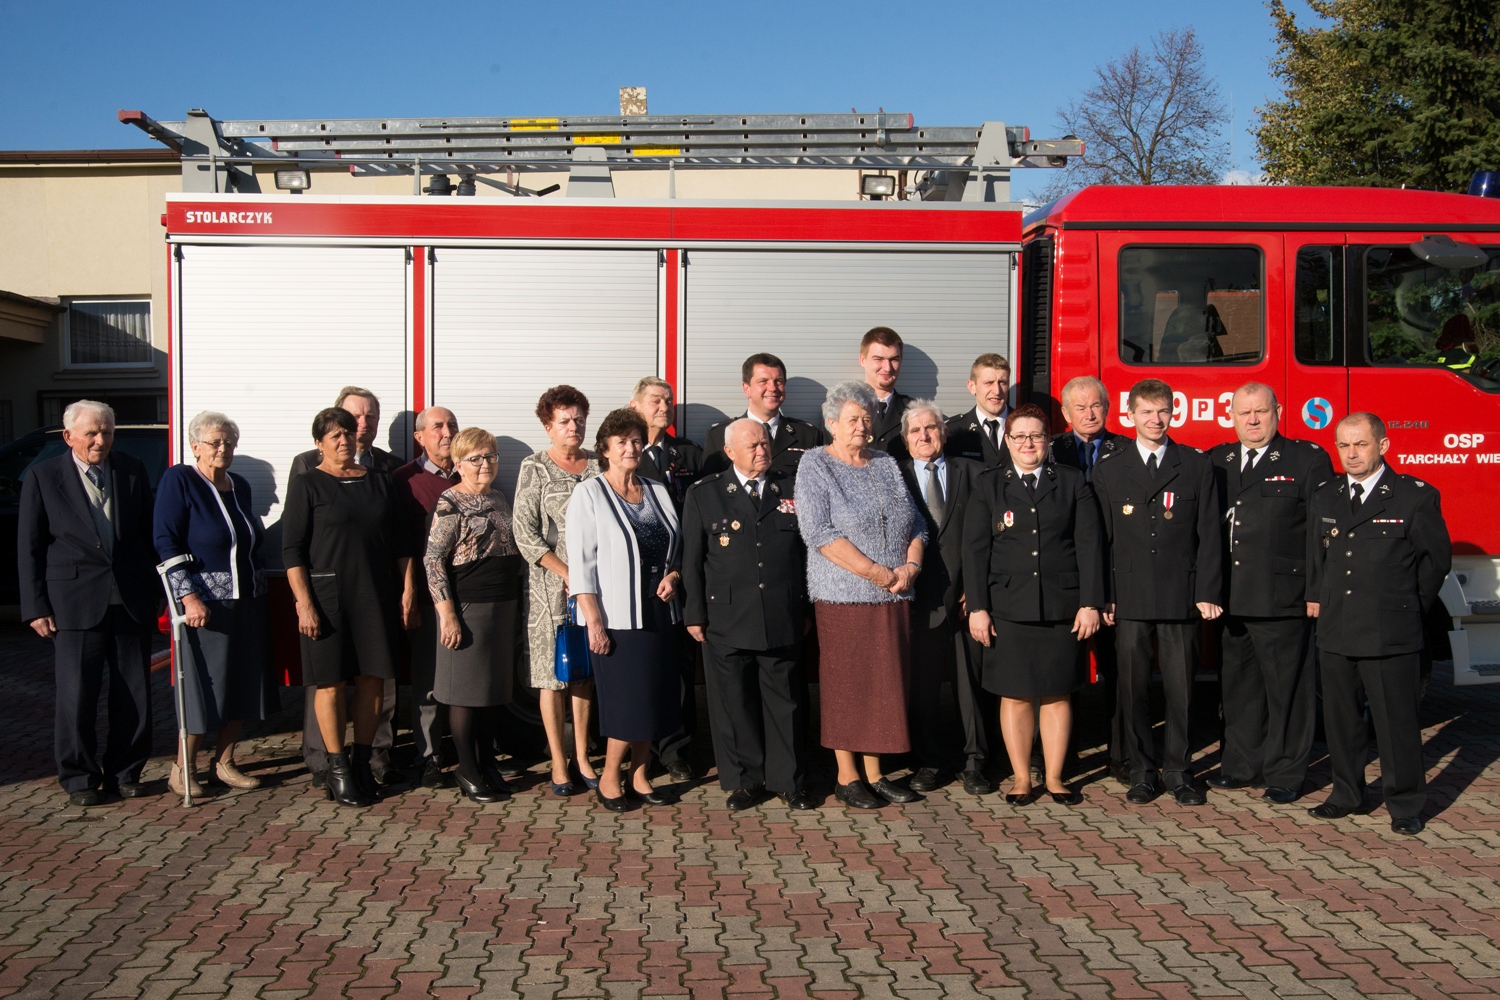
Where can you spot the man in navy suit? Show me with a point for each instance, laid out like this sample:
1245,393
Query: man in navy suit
88,582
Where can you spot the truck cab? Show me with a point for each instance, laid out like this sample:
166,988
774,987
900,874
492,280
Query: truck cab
1341,299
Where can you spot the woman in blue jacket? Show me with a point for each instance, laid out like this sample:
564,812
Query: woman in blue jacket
205,510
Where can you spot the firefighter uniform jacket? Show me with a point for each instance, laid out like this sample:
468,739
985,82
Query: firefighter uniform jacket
885,431
1033,559
678,468
793,438
1265,525
1373,572
744,570
1164,548
967,439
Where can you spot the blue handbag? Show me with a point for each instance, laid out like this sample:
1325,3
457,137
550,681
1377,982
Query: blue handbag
570,654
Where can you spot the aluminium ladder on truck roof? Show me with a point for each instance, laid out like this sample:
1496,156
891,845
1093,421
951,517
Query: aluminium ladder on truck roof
215,152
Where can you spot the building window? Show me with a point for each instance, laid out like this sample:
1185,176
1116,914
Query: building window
1191,305
113,333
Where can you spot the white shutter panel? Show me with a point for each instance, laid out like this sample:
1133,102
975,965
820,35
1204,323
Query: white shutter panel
271,334
811,308
509,324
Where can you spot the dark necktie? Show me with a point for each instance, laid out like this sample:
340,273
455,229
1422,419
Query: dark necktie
1030,480
880,406
1250,458
936,505
96,476
754,491
1086,456
654,450
1151,465
992,429
1356,492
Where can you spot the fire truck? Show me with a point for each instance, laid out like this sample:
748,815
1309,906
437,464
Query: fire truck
1340,299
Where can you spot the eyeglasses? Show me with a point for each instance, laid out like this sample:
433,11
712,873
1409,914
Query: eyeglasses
225,445
1033,438
478,460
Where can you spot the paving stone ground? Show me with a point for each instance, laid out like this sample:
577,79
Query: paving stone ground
279,893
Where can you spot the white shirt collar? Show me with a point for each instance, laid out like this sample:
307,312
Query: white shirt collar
1368,484
365,458
1147,451
771,425
1245,452
1021,474
744,479
84,467
1003,415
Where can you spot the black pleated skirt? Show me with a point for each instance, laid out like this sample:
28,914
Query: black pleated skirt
1034,660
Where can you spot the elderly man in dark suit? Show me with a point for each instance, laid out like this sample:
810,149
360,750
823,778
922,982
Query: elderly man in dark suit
88,583
941,649
365,408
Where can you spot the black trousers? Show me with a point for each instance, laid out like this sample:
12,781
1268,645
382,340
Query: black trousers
122,646
671,749
1270,699
946,741
1391,685
1177,644
1108,663
757,713
429,719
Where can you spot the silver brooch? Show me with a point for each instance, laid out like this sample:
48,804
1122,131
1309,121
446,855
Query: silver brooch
731,488
775,488
1274,455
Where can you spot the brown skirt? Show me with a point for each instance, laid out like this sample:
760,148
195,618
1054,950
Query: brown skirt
864,674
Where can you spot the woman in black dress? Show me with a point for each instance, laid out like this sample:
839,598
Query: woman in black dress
347,556
1034,582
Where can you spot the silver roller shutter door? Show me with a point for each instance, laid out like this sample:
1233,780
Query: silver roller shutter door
811,308
508,324
271,334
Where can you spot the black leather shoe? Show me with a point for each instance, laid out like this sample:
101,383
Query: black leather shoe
680,770
1328,810
926,779
479,791
1067,797
132,790
800,799
1409,825
433,775
1220,781
1120,771
893,792
1020,798
320,780
1280,796
855,794
343,787
654,797
615,805
511,767
87,797
975,783
1141,793
1187,795
742,798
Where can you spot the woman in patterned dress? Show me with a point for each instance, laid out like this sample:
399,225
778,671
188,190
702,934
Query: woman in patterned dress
543,489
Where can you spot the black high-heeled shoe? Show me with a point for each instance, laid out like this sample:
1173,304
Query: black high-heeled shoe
651,798
479,792
497,781
342,786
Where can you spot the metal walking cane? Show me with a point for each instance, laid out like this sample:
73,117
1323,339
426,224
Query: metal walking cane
179,640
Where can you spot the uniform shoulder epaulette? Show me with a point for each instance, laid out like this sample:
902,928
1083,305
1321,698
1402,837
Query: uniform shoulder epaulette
712,477
1106,455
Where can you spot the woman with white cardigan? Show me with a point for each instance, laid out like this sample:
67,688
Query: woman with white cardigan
624,567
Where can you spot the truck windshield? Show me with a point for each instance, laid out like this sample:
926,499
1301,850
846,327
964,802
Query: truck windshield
1420,314
1191,305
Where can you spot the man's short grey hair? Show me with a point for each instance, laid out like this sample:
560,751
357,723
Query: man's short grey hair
354,390
1085,382
421,422
651,382
848,392
916,408
210,420
103,410
1250,388
735,425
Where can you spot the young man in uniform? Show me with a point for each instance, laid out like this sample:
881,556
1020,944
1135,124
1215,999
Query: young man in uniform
1378,553
1161,513
880,356
980,433
745,597
764,383
1270,701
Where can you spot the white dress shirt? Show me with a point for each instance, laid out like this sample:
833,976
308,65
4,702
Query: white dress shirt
770,425
1260,454
1368,483
1147,451
745,481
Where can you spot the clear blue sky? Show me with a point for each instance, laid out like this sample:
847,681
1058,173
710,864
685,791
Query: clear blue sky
70,66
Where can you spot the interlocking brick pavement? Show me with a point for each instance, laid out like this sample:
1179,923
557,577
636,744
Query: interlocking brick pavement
279,893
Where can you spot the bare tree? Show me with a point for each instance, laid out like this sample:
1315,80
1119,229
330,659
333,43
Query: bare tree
1152,117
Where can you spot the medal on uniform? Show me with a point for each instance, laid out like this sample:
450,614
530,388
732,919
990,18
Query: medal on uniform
724,540
1334,532
1128,509
735,525
730,488
787,506
1010,518
1167,500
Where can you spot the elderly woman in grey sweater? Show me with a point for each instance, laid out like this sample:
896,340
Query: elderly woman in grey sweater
864,551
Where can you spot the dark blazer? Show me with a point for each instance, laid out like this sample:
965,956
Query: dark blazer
885,432
1265,525
967,439
793,438
384,462
1161,566
940,585
1066,449
1033,560
1374,573
64,572
744,571
681,464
